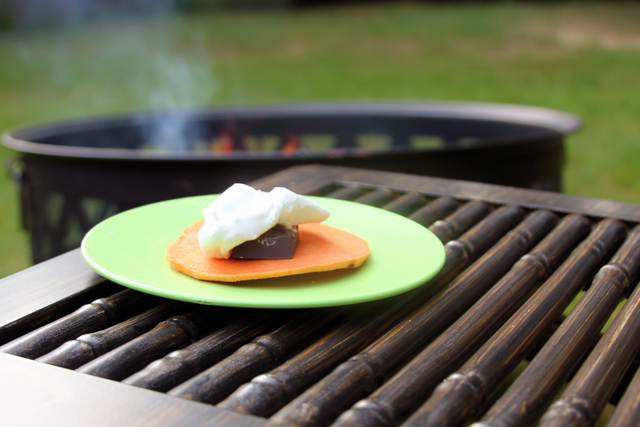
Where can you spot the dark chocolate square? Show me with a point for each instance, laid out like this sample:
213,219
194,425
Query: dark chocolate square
280,242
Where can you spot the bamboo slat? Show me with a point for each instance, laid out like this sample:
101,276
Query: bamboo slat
595,382
99,314
627,412
267,393
75,353
347,193
526,399
180,365
435,210
406,204
462,252
377,198
261,355
167,336
47,292
461,396
459,221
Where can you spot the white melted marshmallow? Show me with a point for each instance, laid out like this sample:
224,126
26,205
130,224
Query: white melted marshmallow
242,213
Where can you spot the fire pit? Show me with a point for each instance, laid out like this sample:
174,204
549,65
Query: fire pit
75,174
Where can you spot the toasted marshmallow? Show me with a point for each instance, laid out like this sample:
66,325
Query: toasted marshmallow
242,213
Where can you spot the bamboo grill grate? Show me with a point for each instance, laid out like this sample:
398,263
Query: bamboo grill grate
490,340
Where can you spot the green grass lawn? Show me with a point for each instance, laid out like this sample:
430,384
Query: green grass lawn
580,58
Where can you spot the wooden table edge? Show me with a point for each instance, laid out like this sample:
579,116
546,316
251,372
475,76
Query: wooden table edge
69,399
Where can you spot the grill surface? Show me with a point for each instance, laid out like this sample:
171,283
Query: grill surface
534,318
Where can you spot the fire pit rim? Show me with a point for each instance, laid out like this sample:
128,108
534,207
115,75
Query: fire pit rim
550,122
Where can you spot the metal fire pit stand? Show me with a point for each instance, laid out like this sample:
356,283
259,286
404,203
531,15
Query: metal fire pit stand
78,173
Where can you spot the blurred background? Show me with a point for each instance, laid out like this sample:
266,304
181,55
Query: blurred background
69,59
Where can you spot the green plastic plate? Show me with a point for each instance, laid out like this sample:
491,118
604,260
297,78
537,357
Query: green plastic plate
129,249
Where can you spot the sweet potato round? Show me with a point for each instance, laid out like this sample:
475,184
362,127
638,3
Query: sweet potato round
321,248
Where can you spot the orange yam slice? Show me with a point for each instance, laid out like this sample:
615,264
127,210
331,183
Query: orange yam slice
321,248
